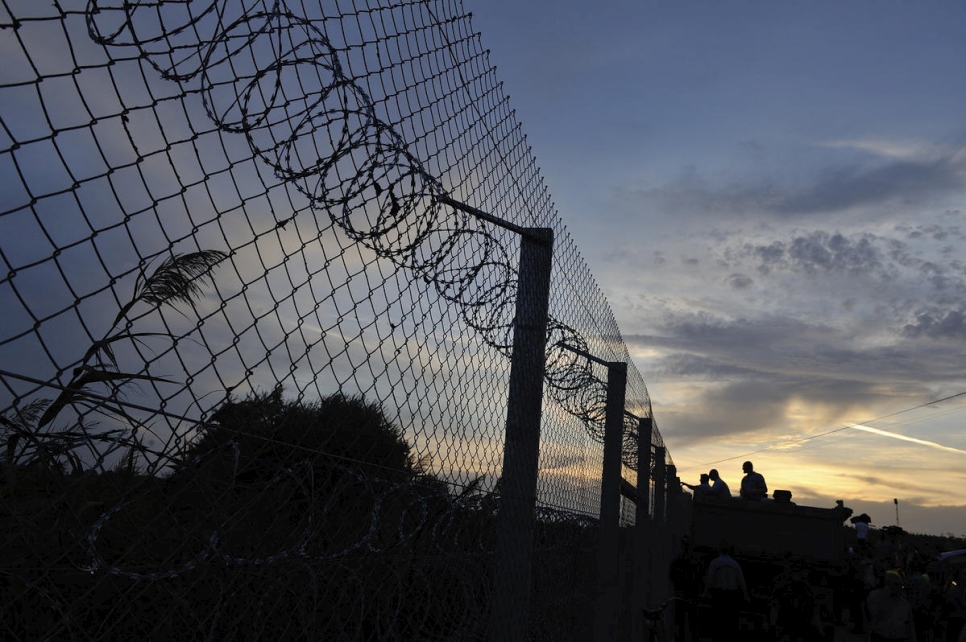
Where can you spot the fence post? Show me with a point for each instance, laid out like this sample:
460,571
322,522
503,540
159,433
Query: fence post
659,527
608,546
642,524
671,486
660,486
644,429
512,572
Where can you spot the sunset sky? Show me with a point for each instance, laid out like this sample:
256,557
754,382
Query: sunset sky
772,196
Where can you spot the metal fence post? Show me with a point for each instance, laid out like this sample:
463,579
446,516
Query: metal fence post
642,523
659,529
671,485
644,428
512,572
660,486
608,546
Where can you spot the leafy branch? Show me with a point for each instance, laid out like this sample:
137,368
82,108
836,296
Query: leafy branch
177,279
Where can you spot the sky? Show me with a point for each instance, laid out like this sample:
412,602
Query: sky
769,194
772,197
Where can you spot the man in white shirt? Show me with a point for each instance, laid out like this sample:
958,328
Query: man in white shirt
719,489
727,592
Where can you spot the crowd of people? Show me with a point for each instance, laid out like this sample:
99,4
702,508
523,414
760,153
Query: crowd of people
888,589
898,592
885,592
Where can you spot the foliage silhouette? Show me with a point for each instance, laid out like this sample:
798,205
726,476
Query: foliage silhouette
269,433
28,433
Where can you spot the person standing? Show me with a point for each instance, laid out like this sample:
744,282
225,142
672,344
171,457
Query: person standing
862,526
685,574
701,490
719,489
890,614
727,593
753,484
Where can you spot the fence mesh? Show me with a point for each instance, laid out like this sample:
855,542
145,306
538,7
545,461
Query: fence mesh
253,363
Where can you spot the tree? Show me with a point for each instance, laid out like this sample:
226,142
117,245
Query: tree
251,440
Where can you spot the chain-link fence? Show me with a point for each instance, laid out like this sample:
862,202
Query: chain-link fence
257,329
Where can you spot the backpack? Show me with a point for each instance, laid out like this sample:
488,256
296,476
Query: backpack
725,578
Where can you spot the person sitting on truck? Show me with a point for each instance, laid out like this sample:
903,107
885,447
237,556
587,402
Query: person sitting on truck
701,490
719,489
753,484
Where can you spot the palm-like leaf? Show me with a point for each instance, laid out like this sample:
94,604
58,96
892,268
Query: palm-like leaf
178,278
85,377
18,426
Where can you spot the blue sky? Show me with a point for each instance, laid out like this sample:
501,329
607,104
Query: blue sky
771,195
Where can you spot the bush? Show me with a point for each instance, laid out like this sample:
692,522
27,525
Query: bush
253,439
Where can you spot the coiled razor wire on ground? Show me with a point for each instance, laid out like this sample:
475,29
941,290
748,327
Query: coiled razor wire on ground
278,172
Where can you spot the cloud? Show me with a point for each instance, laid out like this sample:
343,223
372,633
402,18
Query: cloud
818,252
739,281
721,375
936,323
841,188
884,174
903,278
749,343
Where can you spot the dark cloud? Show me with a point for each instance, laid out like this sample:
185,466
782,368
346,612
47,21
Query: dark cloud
819,252
701,367
846,187
739,281
710,334
937,324
747,372
758,406
877,259
834,189
704,346
931,231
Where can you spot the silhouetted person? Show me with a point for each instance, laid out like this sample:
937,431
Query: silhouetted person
919,592
753,484
727,594
860,580
862,527
954,605
842,510
701,490
793,606
719,489
686,573
890,614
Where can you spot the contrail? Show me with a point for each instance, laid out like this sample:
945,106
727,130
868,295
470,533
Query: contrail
921,442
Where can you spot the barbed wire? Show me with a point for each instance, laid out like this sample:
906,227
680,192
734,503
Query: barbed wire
283,176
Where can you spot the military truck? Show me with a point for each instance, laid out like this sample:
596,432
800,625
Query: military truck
776,540
771,529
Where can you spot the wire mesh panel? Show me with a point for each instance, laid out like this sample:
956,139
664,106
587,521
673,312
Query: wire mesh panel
253,364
